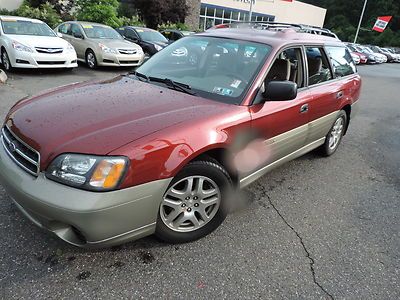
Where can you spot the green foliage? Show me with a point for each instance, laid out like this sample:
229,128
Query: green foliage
63,7
343,16
156,12
45,12
100,11
132,21
5,12
178,26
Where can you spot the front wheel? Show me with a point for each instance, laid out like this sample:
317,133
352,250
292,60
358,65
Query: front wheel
195,203
91,60
335,135
6,60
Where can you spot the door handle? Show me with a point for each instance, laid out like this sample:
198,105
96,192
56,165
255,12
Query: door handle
304,108
339,95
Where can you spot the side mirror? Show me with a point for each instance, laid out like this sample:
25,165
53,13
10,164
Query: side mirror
78,35
59,34
280,91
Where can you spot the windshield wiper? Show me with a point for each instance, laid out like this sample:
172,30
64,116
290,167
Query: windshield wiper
177,86
140,75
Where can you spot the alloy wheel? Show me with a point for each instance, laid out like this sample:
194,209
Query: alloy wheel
190,203
91,60
336,133
6,61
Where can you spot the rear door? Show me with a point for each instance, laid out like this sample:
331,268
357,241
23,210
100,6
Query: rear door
329,86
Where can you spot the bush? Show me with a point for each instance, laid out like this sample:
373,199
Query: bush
133,21
178,26
45,12
100,11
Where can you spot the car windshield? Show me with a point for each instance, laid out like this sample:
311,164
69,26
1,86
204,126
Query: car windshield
100,32
215,68
151,36
22,27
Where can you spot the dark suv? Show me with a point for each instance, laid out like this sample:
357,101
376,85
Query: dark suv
162,150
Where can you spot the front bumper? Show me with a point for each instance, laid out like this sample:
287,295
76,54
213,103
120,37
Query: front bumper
120,60
28,60
83,218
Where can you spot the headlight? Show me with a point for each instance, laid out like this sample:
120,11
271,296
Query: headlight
107,49
19,47
87,171
70,48
158,48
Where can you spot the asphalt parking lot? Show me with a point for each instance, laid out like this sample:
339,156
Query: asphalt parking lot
316,228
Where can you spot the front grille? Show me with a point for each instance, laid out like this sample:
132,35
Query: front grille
127,51
128,62
49,50
24,156
51,62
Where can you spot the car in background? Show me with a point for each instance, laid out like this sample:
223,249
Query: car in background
150,40
380,57
173,35
394,53
363,58
355,57
372,58
30,43
100,45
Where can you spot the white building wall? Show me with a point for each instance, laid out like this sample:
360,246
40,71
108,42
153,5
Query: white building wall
10,4
284,11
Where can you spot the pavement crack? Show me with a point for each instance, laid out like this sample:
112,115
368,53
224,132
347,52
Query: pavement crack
312,261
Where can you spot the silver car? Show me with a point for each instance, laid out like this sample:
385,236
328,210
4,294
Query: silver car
100,45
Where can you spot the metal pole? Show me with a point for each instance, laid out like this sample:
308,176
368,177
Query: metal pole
251,9
359,23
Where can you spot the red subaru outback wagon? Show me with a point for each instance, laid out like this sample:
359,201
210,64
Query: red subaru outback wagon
158,150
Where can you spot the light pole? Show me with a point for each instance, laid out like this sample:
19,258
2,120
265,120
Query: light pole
251,9
359,23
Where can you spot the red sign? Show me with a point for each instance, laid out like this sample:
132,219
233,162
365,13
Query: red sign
381,23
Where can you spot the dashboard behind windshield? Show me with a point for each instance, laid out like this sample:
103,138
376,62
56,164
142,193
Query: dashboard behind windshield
22,27
100,32
215,68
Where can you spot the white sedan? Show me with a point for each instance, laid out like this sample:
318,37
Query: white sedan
29,43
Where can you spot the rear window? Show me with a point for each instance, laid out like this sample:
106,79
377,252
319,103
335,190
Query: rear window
342,62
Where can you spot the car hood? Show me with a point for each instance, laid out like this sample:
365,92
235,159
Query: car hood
39,41
117,43
97,118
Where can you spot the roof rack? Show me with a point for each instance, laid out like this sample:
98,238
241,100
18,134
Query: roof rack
279,26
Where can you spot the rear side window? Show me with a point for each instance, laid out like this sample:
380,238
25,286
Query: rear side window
342,62
318,66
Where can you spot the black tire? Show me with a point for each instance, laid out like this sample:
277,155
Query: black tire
326,149
210,169
7,67
92,64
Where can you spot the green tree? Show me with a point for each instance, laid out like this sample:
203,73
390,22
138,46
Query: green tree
157,12
45,12
342,17
63,7
100,11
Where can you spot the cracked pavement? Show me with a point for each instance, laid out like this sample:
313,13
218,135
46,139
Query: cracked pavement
315,228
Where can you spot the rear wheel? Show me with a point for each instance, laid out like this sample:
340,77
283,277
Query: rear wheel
195,203
6,60
91,60
335,135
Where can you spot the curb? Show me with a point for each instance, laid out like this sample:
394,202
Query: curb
3,76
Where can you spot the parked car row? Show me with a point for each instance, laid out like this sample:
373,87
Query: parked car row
370,54
30,43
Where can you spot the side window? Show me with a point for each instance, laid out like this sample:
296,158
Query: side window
64,28
319,69
342,62
167,34
130,34
288,66
75,29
